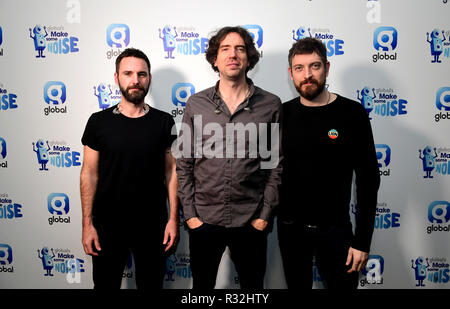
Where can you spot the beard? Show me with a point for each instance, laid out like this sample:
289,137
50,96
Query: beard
312,91
136,97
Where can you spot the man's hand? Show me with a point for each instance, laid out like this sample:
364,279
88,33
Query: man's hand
194,223
171,234
359,259
90,237
259,224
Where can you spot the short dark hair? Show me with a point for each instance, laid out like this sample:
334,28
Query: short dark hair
308,46
217,38
132,52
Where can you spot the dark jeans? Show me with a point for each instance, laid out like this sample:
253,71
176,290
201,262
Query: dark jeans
248,249
298,245
148,254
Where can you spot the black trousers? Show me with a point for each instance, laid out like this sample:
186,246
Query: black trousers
148,254
248,250
299,243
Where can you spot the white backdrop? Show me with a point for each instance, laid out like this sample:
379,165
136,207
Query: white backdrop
386,46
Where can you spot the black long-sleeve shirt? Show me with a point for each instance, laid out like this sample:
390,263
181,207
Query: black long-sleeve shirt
322,148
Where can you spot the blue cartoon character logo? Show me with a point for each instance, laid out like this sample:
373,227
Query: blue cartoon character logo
47,260
366,100
168,40
301,33
420,270
428,162
42,154
435,44
39,39
104,97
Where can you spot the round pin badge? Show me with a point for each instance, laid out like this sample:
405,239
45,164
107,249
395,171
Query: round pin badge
333,134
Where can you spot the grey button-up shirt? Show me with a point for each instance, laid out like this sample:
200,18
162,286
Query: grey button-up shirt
229,166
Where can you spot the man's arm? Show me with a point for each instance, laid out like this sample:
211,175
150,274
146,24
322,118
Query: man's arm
171,232
88,187
271,190
185,169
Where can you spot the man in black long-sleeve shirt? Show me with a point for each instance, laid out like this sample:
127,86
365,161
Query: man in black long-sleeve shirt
326,138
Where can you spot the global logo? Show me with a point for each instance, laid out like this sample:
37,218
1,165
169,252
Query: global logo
334,45
439,216
58,204
55,94
385,39
184,41
383,102
443,104
257,34
6,259
117,36
373,271
383,153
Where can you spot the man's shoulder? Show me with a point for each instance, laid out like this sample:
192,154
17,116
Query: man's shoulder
349,104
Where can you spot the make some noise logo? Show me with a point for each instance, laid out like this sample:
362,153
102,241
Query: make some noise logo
118,38
442,104
385,41
181,92
439,217
439,44
385,218
6,259
435,161
178,266
1,41
58,206
182,41
8,100
383,153
54,40
433,270
382,102
107,96
58,154
335,46
61,261
373,272
9,209
3,153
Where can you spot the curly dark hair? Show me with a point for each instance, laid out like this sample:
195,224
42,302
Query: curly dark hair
308,46
217,38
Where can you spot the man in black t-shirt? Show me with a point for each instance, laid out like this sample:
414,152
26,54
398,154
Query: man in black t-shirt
128,174
326,138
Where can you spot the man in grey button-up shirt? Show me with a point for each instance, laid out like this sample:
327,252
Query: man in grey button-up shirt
228,164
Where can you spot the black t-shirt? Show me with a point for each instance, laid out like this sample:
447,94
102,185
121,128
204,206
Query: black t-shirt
322,147
131,187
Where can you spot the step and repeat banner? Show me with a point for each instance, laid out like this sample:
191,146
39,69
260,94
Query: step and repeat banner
57,65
